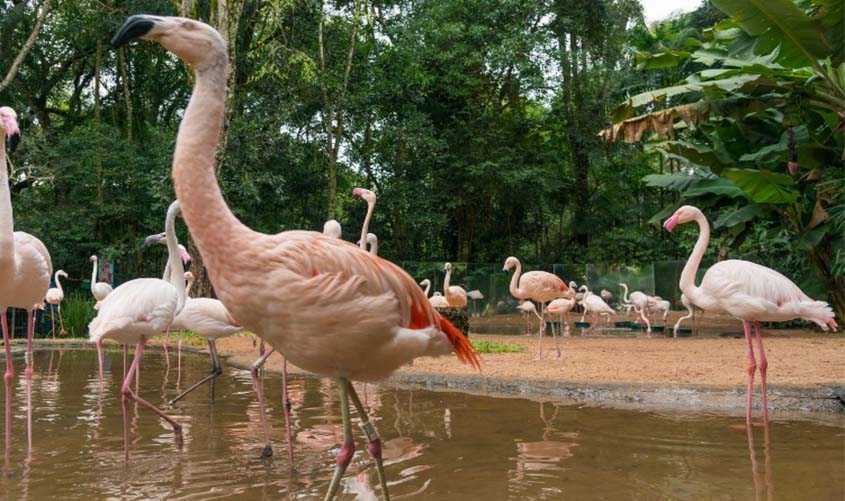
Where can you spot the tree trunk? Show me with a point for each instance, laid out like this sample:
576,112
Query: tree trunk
124,80
30,41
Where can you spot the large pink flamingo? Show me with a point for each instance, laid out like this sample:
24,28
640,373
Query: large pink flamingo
25,268
747,291
456,295
540,286
139,309
328,306
54,297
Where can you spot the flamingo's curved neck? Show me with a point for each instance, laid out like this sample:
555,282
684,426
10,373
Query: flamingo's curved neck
446,281
687,282
214,228
514,285
427,287
7,225
374,247
58,284
366,226
174,260
188,286
625,294
93,274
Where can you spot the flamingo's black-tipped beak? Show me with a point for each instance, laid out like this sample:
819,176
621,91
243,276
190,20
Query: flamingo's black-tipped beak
14,140
154,239
134,27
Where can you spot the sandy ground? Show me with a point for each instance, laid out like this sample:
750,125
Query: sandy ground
809,360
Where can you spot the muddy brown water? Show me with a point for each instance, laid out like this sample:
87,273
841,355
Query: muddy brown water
437,445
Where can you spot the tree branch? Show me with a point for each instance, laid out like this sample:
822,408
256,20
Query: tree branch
30,41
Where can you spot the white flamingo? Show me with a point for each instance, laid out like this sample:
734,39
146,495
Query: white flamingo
54,297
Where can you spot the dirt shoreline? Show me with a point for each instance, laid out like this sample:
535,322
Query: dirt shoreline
657,374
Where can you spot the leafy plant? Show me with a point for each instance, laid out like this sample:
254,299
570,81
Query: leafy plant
494,347
77,312
758,129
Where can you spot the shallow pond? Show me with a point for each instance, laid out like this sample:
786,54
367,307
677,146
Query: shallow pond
438,445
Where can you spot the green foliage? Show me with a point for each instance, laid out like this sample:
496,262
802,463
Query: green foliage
494,347
77,312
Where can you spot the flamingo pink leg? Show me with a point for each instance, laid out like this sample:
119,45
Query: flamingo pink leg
373,438
541,333
165,345
752,366
763,365
347,450
128,394
287,407
10,370
99,345
256,383
30,327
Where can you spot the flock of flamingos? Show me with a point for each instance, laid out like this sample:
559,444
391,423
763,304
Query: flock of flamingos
330,307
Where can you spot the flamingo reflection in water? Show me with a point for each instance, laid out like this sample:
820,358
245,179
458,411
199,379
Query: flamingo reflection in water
544,455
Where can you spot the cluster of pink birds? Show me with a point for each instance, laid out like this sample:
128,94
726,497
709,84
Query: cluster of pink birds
330,307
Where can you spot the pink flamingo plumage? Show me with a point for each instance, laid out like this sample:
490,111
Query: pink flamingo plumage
139,309
562,307
99,290
539,286
25,266
748,291
456,295
328,306
54,297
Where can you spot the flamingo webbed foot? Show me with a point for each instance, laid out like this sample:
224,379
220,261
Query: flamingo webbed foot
266,452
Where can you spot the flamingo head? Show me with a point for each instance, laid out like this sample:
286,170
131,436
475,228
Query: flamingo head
583,288
447,267
9,122
683,215
188,275
194,42
510,263
425,283
183,253
366,194
158,238
332,229
93,259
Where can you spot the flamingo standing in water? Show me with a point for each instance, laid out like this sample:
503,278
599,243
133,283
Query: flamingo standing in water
99,290
747,291
328,306
138,310
208,318
657,304
456,296
25,268
54,297
539,286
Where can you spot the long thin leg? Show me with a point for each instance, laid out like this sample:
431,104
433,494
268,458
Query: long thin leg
62,331
557,343
752,366
763,365
373,438
540,335
165,345
347,450
10,370
30,327
215,371
256,384
129,394
53,321
287,406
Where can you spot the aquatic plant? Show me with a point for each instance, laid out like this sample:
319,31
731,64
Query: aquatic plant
494,347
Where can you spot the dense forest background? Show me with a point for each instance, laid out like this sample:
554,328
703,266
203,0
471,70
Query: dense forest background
475,121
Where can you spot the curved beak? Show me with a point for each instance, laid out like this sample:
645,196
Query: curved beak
154,239
671,223
134,27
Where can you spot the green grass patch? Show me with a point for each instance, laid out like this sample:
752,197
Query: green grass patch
77,312
494,347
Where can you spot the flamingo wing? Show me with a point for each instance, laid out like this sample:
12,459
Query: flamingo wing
144,306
